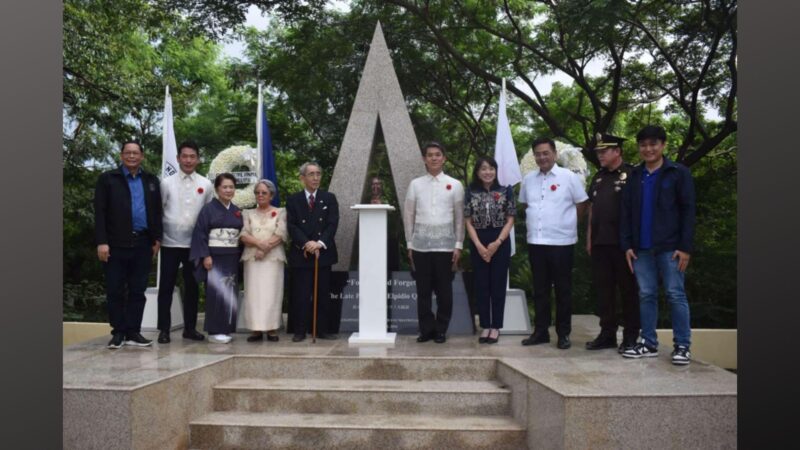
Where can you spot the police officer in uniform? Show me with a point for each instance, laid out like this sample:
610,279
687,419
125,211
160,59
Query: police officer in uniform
609,268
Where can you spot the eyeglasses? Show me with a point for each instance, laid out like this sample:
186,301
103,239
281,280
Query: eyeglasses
262,193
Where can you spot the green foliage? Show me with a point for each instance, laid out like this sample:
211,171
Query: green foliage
84,302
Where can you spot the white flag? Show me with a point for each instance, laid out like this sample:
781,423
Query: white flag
169,150
508,173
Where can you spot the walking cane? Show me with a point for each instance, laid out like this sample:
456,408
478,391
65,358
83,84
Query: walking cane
314,318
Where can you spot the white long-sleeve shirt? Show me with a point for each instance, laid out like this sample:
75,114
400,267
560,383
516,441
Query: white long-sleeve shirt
182,198
433,214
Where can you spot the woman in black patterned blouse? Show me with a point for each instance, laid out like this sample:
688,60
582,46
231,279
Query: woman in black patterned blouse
489,211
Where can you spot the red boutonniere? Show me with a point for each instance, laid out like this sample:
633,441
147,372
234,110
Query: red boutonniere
449,187
200,190
274,213
237,213
497,196
553,187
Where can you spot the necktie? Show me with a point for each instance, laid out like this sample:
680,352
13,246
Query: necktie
311,202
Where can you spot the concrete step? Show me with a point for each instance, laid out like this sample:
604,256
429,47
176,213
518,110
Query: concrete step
360,368
336,396
246,430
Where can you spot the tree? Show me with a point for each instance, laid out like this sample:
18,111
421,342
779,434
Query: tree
691,45
117,60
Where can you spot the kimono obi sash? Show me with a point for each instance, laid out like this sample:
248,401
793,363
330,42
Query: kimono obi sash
223,237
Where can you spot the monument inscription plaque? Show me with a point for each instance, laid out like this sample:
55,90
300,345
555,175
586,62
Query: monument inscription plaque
401,296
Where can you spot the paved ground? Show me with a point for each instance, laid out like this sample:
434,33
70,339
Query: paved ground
573,372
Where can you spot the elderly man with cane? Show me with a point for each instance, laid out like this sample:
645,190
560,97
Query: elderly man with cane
312,219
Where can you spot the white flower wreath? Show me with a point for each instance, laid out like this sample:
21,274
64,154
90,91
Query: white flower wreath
567,157
226,161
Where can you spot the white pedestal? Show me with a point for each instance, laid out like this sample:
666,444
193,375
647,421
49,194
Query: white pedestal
150,316
372,299
516,319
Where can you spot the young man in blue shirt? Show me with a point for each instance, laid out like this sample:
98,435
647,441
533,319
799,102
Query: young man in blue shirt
656,233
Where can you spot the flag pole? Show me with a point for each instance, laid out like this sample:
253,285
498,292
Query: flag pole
167,133
259,134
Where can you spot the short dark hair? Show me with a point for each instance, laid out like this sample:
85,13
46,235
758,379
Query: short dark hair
131,141
476,183
433,144
652,132
224,176
189,144
543,140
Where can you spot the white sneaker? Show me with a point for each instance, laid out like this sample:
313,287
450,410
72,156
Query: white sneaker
640,350
219,338
681,356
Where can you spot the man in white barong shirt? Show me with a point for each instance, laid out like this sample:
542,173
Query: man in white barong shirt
433,218
182,197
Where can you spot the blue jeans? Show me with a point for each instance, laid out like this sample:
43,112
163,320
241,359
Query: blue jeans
647,269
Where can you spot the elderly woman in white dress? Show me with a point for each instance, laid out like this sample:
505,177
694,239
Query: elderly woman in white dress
263,235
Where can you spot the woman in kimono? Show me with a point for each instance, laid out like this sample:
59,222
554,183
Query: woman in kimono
215,253
264,257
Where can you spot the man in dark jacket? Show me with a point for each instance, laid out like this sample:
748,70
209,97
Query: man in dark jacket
127,222
656,232
312,219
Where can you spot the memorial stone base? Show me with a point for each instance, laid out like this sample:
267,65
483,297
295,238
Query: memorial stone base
460,394
150,315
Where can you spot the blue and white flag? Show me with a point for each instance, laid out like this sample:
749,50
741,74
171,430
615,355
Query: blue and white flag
169,149
508,172
266,165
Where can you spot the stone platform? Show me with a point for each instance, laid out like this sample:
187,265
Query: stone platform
329,394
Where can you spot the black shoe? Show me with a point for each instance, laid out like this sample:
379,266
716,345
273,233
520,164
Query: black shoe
272,337
440,338
563,342
424,337
602,341
537,338
163,337
117,341
493,340
298,337
255,337
193,335
328,336
137,340
483,339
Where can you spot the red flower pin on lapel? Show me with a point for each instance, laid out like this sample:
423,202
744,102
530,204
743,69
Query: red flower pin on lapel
553,187
200,190
497,196
449,187
274,213
237,213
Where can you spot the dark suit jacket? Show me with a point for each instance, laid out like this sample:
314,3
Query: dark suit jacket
113,221
317,225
